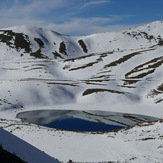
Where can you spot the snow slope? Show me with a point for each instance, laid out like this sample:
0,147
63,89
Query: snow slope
114,71
22,149
56,69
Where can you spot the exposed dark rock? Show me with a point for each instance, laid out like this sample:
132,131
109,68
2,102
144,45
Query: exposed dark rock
56,55
139,34
84,47
97,90
15,40
40,42
160,42
7,157
62,48
38,54
150,66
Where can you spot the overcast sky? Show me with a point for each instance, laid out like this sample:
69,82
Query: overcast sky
80,17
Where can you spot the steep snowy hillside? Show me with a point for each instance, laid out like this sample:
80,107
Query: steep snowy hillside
42,67
114,71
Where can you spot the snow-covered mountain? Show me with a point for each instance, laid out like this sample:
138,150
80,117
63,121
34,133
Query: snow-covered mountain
114,71
42,67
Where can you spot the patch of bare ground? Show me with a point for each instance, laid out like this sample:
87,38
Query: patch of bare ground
87,56
35,68
149,67
95,80
155,92
55,83
121,60
125,58
105,77
141,75
125,86
70,161
130,81
79,58
51,81
84,66
98,60
144,124
161,136
148,138
158,101
97,90
93,83
101,72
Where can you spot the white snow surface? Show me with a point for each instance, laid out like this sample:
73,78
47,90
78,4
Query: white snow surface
142,143
117,71
23,150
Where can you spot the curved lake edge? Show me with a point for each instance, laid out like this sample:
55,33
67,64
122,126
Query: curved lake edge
47,118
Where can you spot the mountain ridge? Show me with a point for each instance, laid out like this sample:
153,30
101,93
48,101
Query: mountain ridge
122,65
116,72
63,46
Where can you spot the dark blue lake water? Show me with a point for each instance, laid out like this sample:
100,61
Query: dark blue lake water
74,120
75,124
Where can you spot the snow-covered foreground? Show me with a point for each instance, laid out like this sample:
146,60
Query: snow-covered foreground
23,150
117,72
141,143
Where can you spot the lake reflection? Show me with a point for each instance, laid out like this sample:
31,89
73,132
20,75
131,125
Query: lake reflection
74,120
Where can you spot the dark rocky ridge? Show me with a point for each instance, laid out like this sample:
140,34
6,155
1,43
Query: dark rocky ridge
7,157
15,40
